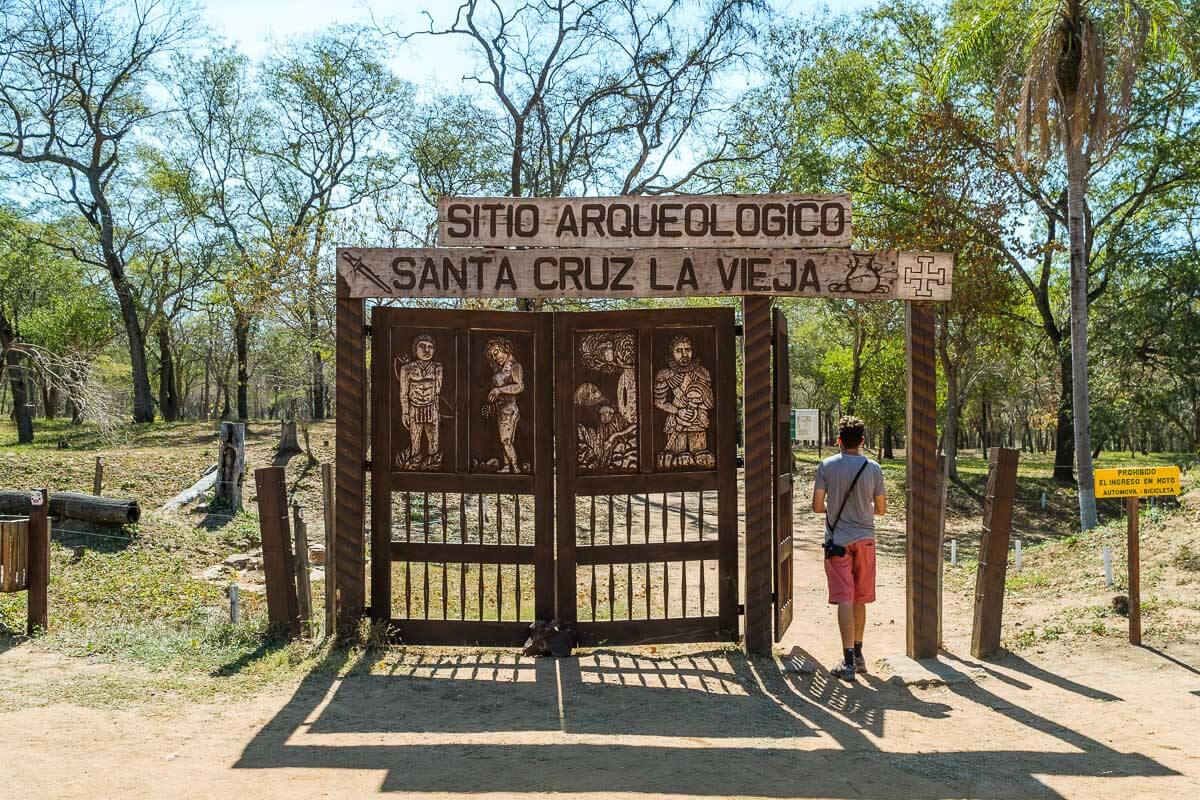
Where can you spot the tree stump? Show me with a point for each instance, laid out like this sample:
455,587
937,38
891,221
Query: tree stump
288,443
231,465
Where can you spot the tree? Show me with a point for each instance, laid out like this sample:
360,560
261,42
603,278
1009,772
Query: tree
267,155
601,95
1067,83
73,97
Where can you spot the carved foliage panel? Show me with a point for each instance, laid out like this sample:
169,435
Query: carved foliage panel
605,401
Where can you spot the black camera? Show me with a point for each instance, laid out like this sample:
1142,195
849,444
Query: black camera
833,550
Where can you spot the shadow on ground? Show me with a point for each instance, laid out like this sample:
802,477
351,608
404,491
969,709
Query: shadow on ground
710,723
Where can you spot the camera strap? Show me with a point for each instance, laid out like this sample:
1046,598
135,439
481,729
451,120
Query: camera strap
845,497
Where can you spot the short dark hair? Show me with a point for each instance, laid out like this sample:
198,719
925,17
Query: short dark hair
852,431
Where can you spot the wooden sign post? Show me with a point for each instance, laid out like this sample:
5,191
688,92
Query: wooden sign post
1132,484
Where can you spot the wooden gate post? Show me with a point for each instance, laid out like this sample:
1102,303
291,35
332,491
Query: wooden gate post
993,551
351,420
923,551
278,564
38,564
330,550
759,483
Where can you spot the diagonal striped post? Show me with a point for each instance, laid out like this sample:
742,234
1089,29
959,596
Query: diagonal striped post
351,416
923,540
759,484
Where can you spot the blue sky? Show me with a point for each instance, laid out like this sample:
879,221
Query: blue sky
253,23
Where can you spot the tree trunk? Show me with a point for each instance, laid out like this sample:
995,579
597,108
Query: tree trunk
22,413
856,371
231,463
241,338
168,394
205,409
887,442
1064,435
950,436
143,399
1076,187
316,363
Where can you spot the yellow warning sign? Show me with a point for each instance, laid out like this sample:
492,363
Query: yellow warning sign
1137,482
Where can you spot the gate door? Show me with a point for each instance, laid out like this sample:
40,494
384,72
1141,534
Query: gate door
647,493
461,476
781,538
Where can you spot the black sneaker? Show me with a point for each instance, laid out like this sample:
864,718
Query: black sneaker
844,671
860,665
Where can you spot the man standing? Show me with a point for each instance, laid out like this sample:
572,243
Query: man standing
849,491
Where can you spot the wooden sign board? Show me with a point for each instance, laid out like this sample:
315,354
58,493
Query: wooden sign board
783,220
651,272
1137,482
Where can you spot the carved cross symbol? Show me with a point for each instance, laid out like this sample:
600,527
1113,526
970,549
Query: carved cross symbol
357,267
924,276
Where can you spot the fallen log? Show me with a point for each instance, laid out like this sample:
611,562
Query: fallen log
208,479
76,505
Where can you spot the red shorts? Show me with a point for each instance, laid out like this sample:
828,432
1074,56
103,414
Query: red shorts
852,577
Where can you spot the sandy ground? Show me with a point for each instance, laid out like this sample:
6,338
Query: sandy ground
1107,721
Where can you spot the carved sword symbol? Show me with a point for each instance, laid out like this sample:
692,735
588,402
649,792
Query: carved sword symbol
357,267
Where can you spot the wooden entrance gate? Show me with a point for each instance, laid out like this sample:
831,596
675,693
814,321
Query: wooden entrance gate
462,448
462,474
647,475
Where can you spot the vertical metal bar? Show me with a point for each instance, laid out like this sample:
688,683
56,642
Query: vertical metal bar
462,567
683,537
593,544
611,594
479,522
700,517
445,565
407,563
425,564
499,567
666,566
517,511
629,566
646,534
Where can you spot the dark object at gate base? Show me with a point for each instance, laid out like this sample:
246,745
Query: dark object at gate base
549,639
1120,604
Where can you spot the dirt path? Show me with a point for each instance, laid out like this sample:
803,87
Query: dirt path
1108,721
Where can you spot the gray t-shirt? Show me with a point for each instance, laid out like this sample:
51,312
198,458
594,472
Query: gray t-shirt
858,518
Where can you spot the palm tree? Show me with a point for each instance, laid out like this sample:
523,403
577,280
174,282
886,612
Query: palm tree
1065,87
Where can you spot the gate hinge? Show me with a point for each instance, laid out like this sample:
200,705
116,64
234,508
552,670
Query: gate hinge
738,330
367,465
367,331
741,462
741,609
774,597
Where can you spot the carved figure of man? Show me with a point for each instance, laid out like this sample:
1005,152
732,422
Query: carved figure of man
508,381
420,388
683,389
